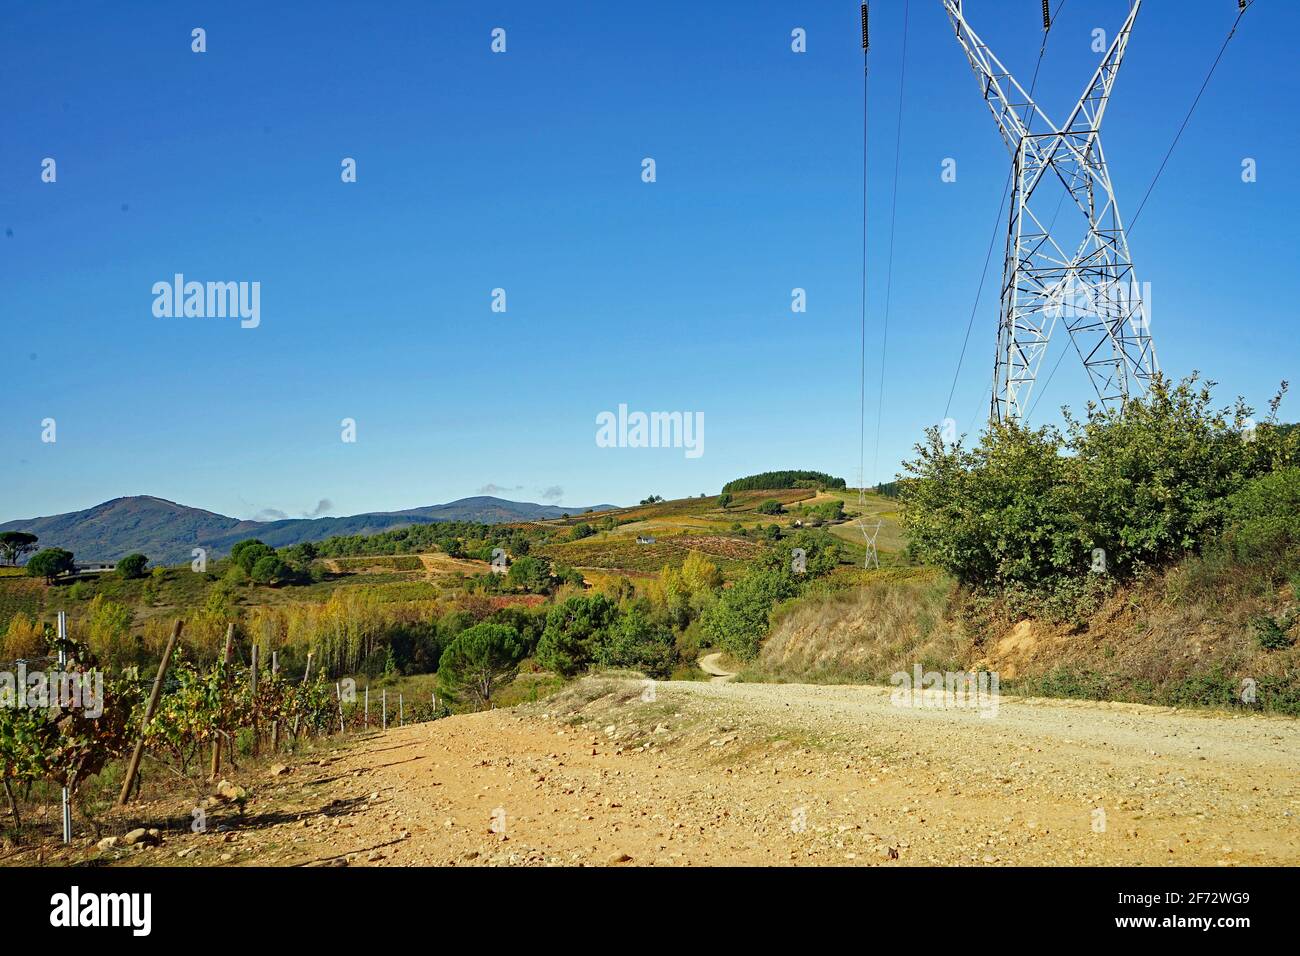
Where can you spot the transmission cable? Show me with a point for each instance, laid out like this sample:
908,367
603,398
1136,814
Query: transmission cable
862,394
988,256
889,268
1241,12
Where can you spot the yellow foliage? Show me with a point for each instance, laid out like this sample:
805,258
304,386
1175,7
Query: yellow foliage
25,638
108,631
700,574
685,591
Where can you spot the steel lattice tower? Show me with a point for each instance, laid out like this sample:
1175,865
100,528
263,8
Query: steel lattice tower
1092,288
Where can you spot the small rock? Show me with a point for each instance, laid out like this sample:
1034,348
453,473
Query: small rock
141,837
230,793
107,843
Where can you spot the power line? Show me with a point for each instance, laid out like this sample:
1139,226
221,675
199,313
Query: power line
862,395
1241,12
1050,375
970,323
889,270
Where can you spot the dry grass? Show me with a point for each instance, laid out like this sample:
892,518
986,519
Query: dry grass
863,635
1186,638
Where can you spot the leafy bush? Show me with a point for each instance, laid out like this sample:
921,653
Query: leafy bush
1146,486
826,511
681,594
574,630
1265,516
635,640
25,638
108,633
738,621
1270,633
529,574
770,507
270,569
246,554
305,553
132,566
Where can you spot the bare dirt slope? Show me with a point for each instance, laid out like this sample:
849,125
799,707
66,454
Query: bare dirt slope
709,773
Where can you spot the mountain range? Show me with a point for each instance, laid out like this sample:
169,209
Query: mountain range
167,532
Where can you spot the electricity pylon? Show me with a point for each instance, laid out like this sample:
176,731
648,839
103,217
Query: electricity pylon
1092,288
869,534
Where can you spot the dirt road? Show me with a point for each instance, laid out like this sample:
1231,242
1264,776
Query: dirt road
709,773
711,664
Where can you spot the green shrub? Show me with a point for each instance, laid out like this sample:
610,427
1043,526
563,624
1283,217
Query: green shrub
1265,515
132,566
636,640
737,623
246,554
574,630
1270,633
826,511
530,574
1145,486
270,569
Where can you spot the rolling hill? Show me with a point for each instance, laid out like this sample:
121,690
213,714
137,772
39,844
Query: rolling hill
167,531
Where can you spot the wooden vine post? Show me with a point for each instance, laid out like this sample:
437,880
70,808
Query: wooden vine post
133,767
216,741
275,726
252,686
298,714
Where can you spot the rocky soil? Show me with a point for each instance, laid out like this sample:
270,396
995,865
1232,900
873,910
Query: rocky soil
621,772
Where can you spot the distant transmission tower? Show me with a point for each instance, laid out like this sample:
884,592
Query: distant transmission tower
1090,288
869,534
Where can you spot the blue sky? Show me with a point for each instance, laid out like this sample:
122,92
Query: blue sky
522,171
